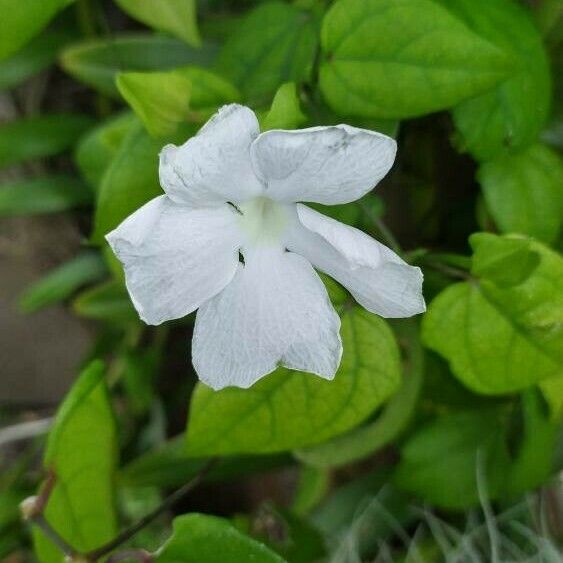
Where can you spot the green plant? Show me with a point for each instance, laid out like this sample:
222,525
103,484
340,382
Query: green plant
456,409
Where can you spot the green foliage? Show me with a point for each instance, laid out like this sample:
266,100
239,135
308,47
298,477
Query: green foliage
512,114
177,17
106,302
262,419
208,89
275,43
460,407
37,55
552,390
22,20
285,112
39,137
312,487
63,281
161,100
43,195
504,261
165,100
169,465
82,452
534,459
96,149
198,538
442,462
96,62
503,335
459,459
524,192
437,62
130,180
371,437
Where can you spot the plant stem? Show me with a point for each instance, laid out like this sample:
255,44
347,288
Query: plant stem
450,270
53,535
168,503
36,516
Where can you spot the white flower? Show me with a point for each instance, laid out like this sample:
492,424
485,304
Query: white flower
230,239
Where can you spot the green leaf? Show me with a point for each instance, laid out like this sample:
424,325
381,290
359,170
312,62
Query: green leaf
130,181
403,58
137,369
31,59
289,409
43,195
311,488
396,414
20,21
12,534
504,261
285,112
160,99
552,390
170,466
501,338
534,460
96,62
512,114
82,452
177,17
106,302
441,461
164,100
199,538
524,192
38,137
96,149
63,281
275,43
209,90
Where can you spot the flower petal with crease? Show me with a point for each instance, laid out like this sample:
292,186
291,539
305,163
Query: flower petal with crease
276,311
377,278
330,165
213,167
175,257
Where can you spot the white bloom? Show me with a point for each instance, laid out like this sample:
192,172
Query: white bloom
230,239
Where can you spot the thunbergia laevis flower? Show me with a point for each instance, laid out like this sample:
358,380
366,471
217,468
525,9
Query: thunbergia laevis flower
230,238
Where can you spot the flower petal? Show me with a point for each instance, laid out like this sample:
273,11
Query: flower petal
175,257
214,166
377,278
275,311
330,165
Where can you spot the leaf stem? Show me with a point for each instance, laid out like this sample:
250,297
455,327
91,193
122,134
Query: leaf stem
450,270
168,503
35,515
40,521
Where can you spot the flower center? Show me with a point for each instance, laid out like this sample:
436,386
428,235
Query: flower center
263,220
